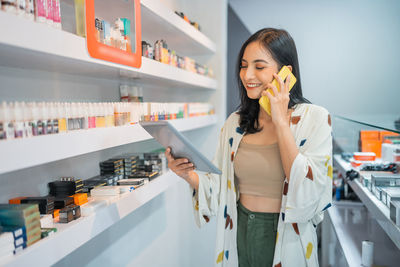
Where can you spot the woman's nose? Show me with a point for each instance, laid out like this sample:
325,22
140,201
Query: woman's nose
249,74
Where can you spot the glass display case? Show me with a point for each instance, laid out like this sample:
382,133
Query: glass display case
114,31
367,163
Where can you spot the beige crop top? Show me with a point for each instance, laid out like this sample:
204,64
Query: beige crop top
258,170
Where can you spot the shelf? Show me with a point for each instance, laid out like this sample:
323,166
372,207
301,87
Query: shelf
71,236
39,150
350,224
349,231
378,210
67,53
159,22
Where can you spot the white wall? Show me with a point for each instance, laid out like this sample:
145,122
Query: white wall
348,50
162,232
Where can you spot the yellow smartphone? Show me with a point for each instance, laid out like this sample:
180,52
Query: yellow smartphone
283,73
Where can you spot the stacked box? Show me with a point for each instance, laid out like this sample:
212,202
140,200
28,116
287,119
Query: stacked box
66,187
70,213
129,163
46,203
19,237
112,167
22,215
63,201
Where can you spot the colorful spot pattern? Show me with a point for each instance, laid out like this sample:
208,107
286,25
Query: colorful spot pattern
232,156
196,207
303,142
194,192
328,158
227,254
330,171
295,119
231,141
278,265
239,130
283,216
309,250
220,257
228,218
285,188
206,218
296,228
327,207
277,236
310,174
229,184
329,120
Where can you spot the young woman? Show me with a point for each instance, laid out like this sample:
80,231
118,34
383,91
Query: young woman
276,177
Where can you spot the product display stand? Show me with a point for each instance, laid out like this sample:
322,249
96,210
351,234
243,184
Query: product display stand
30,152
39,59
74,234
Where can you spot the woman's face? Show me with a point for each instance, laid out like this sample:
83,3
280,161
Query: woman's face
257,69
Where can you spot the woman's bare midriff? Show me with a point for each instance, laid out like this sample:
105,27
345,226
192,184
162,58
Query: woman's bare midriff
260,204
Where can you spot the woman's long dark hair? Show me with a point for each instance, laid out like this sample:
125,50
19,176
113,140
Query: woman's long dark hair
283,50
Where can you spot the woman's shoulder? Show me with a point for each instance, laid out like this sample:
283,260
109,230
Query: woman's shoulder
232,122
310,114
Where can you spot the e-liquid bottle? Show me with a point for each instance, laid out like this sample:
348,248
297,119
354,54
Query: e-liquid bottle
100,119
42,122
35,119
54,118
19,121
3,134
91,116
69,117
83,110
49,119
109,111
30,10
27,115
9,120
62,118
21,6
9,6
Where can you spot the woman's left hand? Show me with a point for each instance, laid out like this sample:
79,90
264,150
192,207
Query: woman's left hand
279,101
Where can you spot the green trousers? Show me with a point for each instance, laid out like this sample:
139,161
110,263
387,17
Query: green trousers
256,237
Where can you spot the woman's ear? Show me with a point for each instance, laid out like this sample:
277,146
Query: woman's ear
290,68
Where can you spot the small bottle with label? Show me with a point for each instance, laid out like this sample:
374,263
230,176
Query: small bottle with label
54,118
42,123
62,119
49,119
19,120
3,134
27,115
9,120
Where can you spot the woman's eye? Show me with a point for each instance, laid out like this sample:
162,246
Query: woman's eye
242,67
260,68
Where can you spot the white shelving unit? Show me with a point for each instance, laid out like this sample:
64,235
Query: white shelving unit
346,225
31,152
379,210
158,22
55,50
35,47
70,236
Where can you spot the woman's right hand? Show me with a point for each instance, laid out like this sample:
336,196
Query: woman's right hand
182,167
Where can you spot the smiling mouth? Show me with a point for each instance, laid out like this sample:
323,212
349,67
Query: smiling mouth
253,85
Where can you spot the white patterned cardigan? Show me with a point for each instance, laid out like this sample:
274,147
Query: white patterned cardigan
305,197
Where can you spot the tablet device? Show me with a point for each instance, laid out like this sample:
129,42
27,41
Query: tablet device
181,147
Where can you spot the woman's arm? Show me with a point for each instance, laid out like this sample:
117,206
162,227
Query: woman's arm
280,117
287,147
183,168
